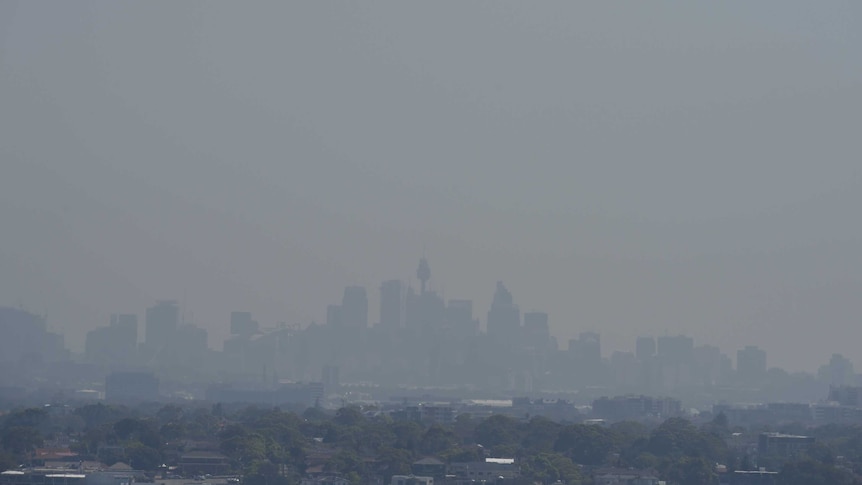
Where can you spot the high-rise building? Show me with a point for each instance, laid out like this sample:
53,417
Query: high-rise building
459,318
424,312
537,332
242,324
751,362
587,349
644,348
504,317
354,307
675,349
115,345
333,315
161,323
391,304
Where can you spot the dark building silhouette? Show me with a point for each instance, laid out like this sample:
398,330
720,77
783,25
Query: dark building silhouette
645,348
391,304
504,317
25,337
354,307
115,345
242,324
425,312
423,272
161,324
675,349
459,318
537,332
751,363
333,315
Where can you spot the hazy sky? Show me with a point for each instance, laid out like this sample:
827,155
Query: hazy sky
634,168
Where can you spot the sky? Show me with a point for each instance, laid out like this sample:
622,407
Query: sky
639,168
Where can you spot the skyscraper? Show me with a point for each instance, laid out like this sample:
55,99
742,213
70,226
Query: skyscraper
391,304
161,323
751,362
644,348
537,332
504,317
333,315
354,307
459,318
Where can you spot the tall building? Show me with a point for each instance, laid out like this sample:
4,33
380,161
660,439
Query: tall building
459,318
537,332
424,312
115,345
675,349
333,315
161,323
751,362
391,304
504,317
354,307
242,324
587,349
644,348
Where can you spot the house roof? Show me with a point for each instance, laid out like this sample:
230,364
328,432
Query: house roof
428,460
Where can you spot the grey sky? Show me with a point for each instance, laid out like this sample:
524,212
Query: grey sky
632,168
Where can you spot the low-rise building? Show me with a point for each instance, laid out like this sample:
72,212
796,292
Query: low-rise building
411,480
783,445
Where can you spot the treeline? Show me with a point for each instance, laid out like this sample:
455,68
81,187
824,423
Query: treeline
275,447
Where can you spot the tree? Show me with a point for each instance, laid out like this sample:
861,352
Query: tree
585,444
497,430
811,472
541,435
20,440
548,468
349,416
690,471
437,440
143,457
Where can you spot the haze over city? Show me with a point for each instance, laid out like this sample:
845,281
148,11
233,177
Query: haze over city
649,170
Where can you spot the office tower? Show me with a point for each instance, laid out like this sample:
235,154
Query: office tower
391,304
423,272
644,348
115,345
537,332
587,349
675,350
242,324
354,307
459,318
504,317
331,379
751,362
161,323
333,315
424,312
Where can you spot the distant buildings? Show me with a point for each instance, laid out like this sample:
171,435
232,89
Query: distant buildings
751,363
391,304
783,445
622,408
116,345
162,321
131,387
504,317
354,307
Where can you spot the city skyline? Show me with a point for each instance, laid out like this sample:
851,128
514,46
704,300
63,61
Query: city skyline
688,169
